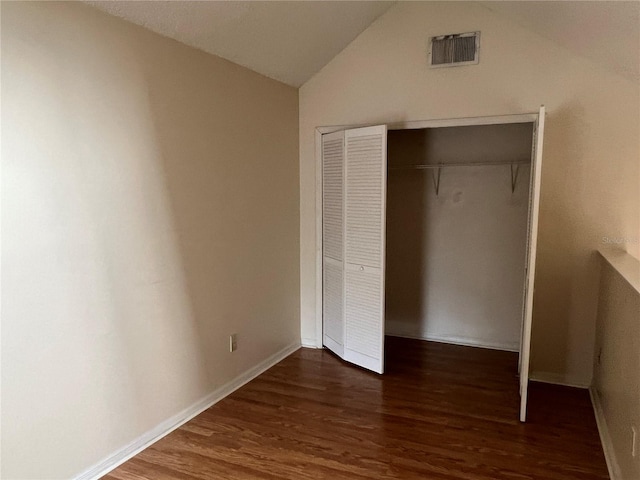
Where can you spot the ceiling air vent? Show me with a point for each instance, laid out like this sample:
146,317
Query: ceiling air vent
454,50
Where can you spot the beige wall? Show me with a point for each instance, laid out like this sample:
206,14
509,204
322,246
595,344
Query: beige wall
617,363
455,261
149,209
590,178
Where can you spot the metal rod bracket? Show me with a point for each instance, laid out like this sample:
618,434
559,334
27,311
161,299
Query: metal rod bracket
514,176
435,175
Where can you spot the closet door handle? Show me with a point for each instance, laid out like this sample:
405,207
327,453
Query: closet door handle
361,268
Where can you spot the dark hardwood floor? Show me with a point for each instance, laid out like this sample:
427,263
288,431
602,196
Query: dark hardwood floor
439,412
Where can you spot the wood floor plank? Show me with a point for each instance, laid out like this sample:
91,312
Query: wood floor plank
441,412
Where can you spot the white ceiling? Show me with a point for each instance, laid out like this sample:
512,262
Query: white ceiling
286,41
291,41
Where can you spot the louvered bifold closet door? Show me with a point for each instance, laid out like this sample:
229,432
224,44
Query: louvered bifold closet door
365,211
333,241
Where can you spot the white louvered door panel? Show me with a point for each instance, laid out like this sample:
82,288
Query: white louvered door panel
332,194
363,304
365,210
333,305
333,241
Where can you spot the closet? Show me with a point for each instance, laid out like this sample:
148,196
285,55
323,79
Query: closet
429,230
457,208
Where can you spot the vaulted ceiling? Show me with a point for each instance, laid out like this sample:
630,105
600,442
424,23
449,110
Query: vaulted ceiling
287,41
291,41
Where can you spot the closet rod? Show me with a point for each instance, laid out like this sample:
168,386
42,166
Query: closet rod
468,164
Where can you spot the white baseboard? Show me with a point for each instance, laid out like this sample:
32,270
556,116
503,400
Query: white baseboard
309,343
605,438
128,451
465,342
558,379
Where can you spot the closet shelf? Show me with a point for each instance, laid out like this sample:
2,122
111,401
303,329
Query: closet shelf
437,168
427,166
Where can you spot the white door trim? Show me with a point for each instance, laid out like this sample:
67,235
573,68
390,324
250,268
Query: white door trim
532,243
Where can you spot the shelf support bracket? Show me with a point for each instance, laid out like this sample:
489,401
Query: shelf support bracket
435,176
514,176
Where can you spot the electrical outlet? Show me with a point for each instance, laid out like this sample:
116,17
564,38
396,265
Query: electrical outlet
233,342
634,441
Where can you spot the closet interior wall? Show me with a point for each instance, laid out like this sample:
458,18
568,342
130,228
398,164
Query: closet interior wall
455,261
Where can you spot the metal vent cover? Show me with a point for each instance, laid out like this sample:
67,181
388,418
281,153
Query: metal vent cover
454,50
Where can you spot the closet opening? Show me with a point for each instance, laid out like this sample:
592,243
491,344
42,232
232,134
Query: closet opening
428,230
456,233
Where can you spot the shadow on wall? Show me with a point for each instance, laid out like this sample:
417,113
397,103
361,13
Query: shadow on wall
111,342
229,155
150,199
162,351
407,220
